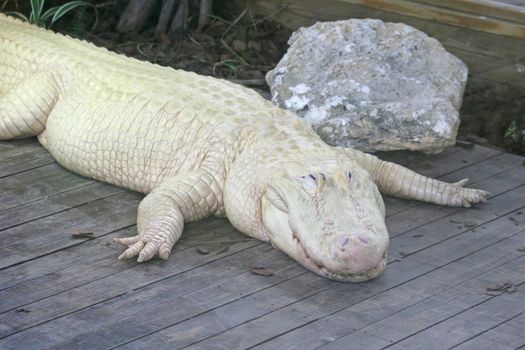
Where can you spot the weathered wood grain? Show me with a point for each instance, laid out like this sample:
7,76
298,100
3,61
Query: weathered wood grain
138,275
511,10
99,264
88,251
75,294
63,200
429,11
21,155
37,184
463,313
465,306
52,233
506,336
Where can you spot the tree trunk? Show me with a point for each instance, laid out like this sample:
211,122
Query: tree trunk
180,20
204,15
166,15
135,15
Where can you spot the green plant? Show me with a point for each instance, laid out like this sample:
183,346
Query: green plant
515,136
48,17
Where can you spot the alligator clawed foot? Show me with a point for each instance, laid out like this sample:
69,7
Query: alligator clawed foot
145,246
465,197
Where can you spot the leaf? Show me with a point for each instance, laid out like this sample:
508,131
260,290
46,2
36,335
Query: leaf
37,6
79,233
21,309
49,13
202,250
511,130
62,10
18,15
500,286
261,271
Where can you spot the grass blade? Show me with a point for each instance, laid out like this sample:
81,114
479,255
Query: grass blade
62,10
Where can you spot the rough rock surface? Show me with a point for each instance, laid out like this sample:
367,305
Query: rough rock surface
372,85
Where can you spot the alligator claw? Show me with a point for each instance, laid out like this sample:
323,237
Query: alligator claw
145,246
469,196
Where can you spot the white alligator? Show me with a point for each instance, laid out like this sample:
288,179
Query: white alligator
199,146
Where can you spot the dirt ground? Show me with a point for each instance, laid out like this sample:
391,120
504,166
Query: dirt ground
241,51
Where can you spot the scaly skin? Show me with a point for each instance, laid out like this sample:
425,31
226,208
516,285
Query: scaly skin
199,146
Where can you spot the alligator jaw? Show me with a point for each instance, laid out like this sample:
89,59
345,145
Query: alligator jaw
318,267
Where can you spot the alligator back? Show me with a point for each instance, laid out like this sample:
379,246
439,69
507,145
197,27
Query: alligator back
125,121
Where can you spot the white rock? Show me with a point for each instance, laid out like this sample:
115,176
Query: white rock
372,85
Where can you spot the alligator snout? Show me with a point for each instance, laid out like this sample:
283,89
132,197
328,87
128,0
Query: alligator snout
357,253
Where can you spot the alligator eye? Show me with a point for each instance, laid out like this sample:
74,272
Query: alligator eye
349,175
309,183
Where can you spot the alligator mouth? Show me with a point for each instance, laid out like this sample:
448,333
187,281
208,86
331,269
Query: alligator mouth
356,277
320,269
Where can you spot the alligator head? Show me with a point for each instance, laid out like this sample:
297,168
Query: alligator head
330,218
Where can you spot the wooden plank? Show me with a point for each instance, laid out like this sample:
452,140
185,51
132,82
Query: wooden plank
481,313
52,233
147,316
499,9
447,16
20,155
401,294
293,15
507,73
295,343
303,312
485,95
62,262
517,3
437,165
449,226
36,184
465,299
151,314
54,266
478,63
74,271
506,336
67,199
137,276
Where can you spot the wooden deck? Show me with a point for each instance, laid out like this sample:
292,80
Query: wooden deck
58,292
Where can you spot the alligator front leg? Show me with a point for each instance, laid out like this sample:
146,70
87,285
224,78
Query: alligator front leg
399,181
161,214
25,108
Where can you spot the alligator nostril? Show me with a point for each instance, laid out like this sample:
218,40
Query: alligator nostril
363,239
343,241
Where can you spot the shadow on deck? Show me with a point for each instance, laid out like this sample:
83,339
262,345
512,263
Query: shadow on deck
64,293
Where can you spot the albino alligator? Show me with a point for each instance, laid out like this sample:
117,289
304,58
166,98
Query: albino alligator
199,146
